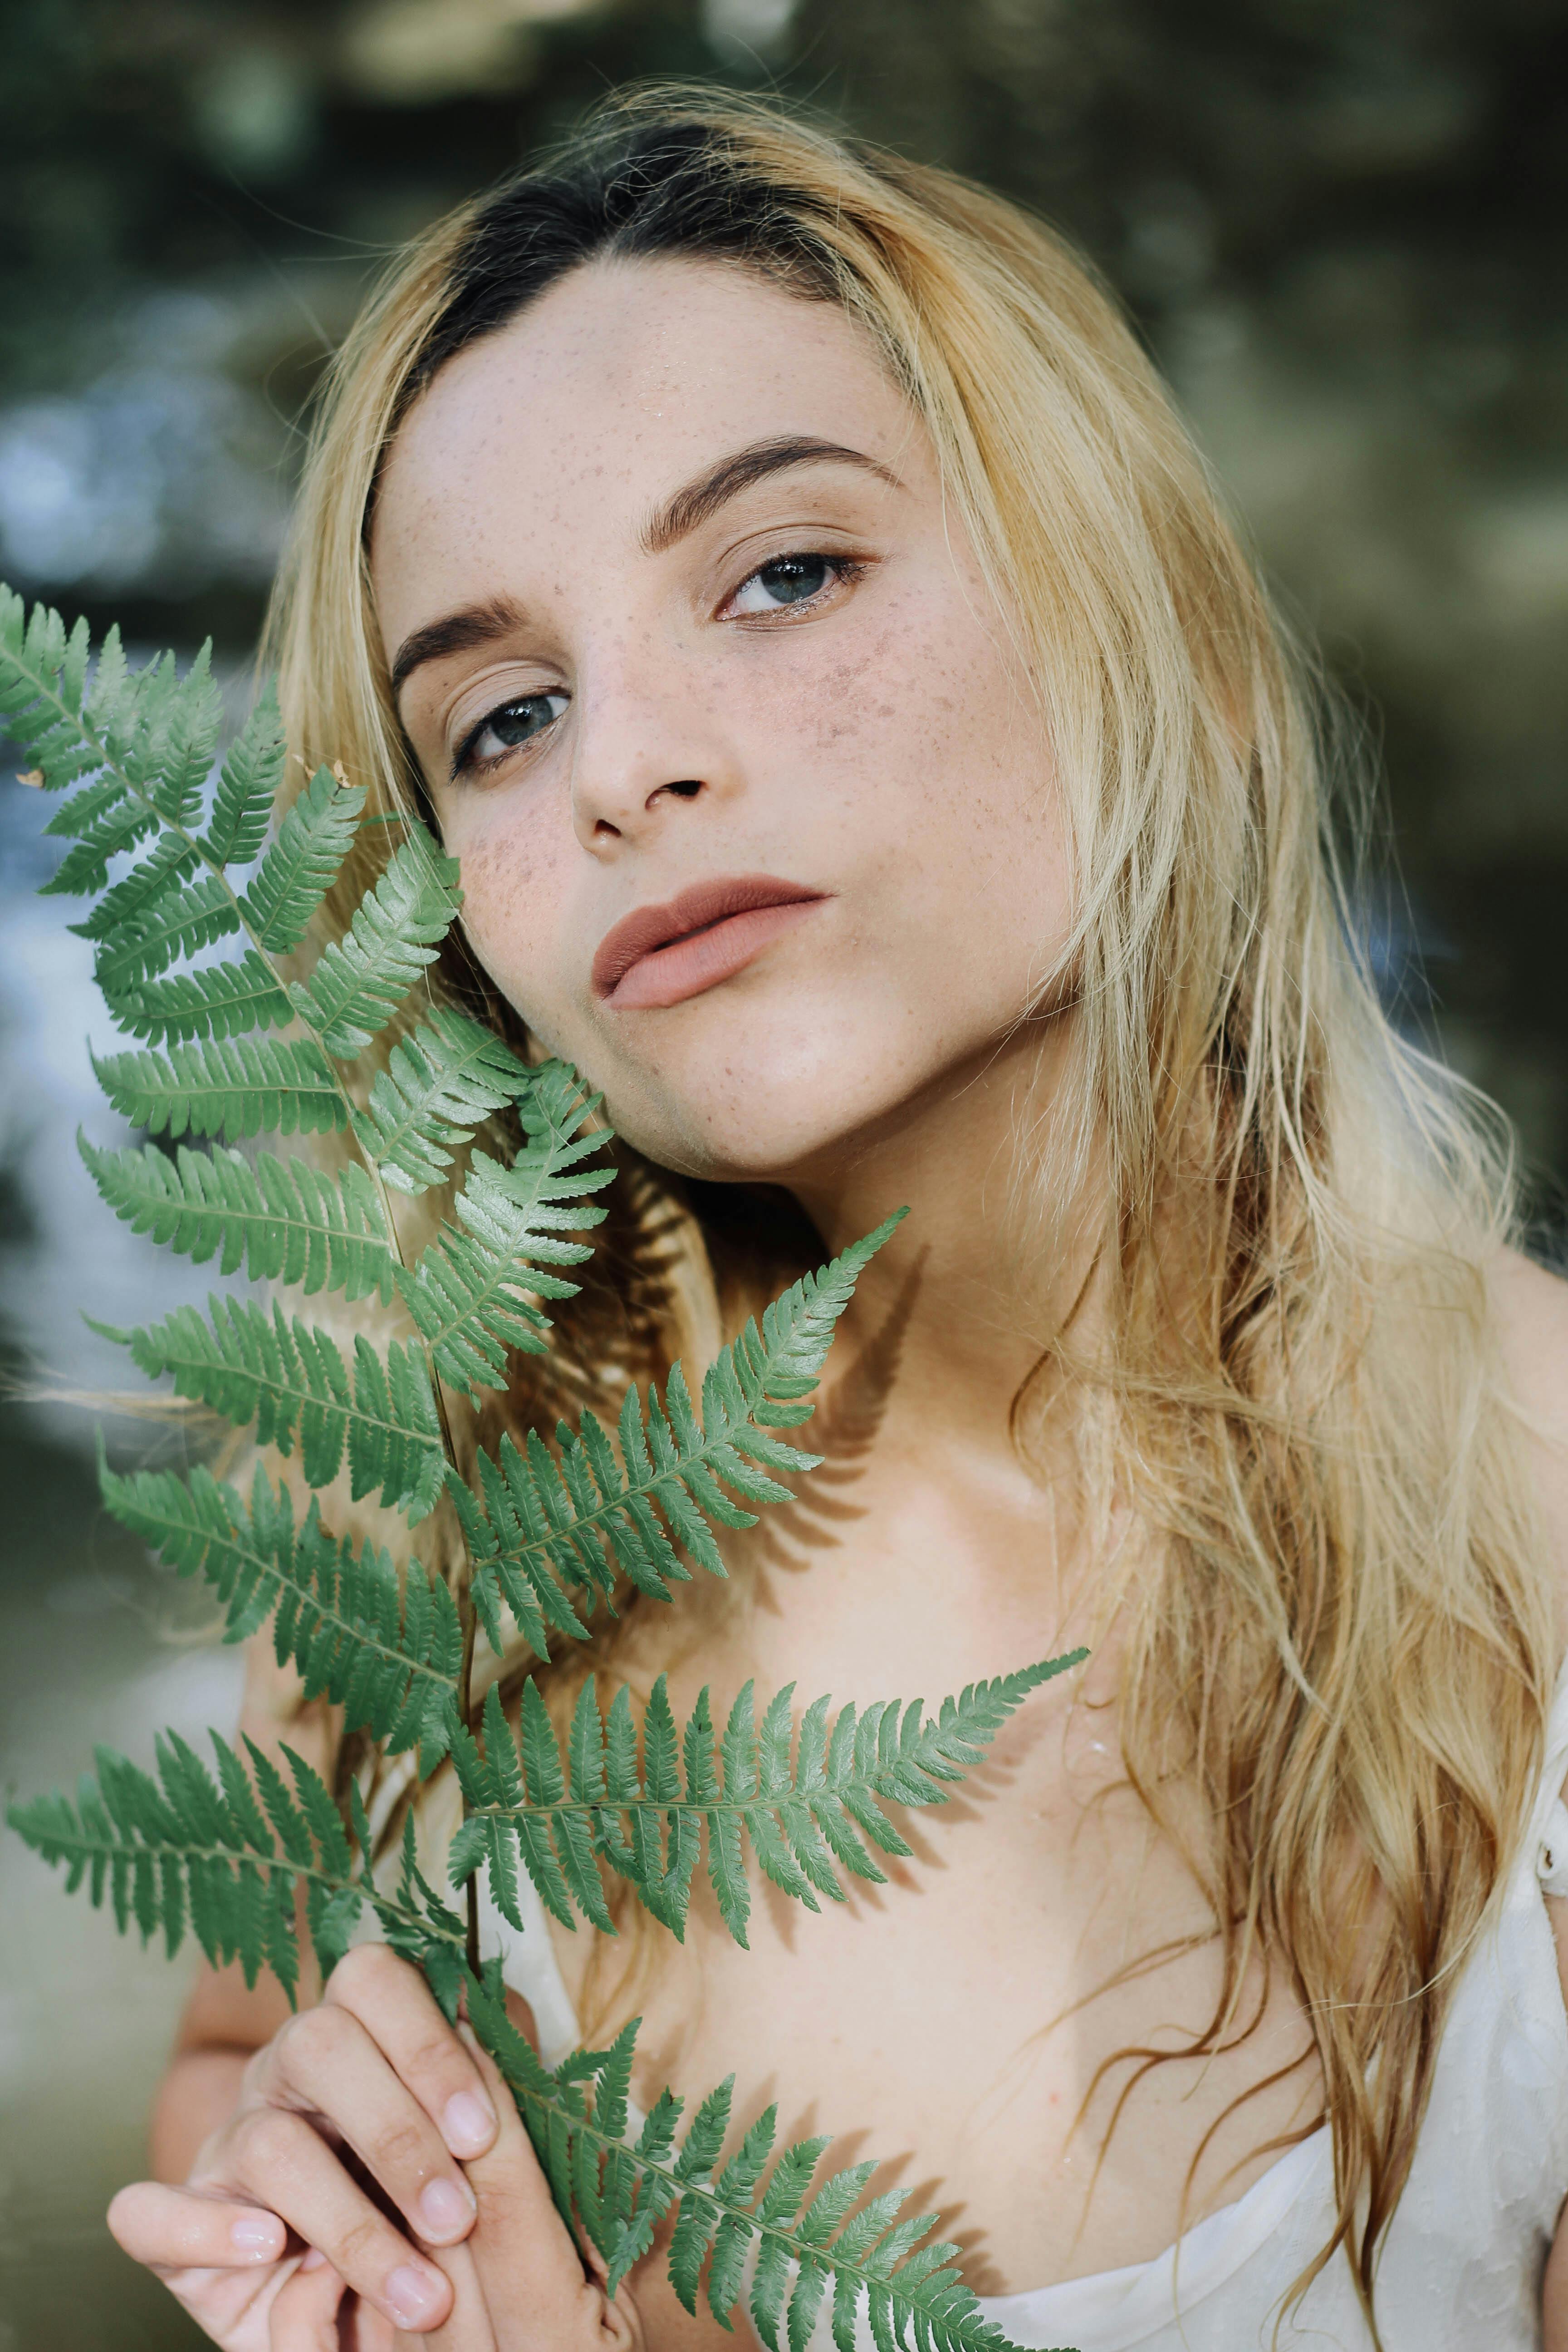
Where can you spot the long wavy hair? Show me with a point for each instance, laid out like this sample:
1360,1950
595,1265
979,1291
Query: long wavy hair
1340,1634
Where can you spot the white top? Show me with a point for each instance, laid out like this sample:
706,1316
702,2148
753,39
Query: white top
1461,2262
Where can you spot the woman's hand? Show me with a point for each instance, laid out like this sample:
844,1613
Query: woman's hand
518,2284
372,2087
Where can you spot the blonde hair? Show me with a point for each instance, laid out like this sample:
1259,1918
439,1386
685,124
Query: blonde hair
1343,1643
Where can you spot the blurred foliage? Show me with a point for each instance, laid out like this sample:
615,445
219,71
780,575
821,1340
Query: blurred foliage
1338,222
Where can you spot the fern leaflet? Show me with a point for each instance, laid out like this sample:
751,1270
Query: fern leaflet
44,700
802,1805
248,786
834,2251
282,1219
187,714
175,920
389,1656
230,1088
542,1525
99,822
304,861
360,980
471,1296
224,1859
290,1380
439,1083
224,1000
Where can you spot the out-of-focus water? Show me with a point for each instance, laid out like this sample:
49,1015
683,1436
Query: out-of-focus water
96,1644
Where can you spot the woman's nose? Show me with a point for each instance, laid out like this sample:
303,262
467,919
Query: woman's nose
644,748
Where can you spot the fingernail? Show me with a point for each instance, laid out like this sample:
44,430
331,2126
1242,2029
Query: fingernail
444,2208
314,2259
412,2294
258,2233
468,2122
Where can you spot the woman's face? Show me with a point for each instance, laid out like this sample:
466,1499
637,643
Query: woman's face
756,822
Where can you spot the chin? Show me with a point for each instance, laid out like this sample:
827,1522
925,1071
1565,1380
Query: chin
761,1128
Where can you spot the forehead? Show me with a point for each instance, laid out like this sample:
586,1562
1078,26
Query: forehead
614,385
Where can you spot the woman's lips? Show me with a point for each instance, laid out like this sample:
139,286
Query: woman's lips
660,955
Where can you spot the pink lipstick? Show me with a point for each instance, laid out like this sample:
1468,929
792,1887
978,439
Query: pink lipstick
661,955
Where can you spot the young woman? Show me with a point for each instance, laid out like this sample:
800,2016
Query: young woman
777,572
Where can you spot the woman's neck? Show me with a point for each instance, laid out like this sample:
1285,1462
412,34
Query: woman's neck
982,1275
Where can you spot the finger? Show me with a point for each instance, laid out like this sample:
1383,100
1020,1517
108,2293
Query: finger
397,2007
304,2315
182,2229
524,2257
468,2325
324,2062
275,2158
228,2305
363,2328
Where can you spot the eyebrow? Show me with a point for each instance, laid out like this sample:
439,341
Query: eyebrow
455,632
691,506
701,499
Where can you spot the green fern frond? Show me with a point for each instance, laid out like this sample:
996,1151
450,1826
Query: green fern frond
806,1804
439,1083
225,1000
229,1087
172,861
178,920
303,863
418,1924
360,980
808,2253
636,1504
248,786
223,1860
100,821
471,1295
387,1652
43,681
189,718
148,738
154,730
290,1380
282,1219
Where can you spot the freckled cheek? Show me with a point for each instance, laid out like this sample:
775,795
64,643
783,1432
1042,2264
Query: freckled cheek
514,893
938,766
919,704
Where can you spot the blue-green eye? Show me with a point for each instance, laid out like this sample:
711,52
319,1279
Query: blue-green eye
787,580
508,727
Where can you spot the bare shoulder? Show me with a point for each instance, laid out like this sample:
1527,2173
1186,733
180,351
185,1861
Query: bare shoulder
1531,1309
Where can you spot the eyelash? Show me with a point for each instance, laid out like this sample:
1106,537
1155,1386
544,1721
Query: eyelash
463,760
846,571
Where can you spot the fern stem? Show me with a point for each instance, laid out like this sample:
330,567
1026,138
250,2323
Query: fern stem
90,1848
465,1717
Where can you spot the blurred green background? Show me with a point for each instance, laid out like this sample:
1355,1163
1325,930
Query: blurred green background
1340,224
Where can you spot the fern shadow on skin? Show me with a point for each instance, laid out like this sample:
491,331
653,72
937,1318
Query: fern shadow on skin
623,1311
928,2194
842,1431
